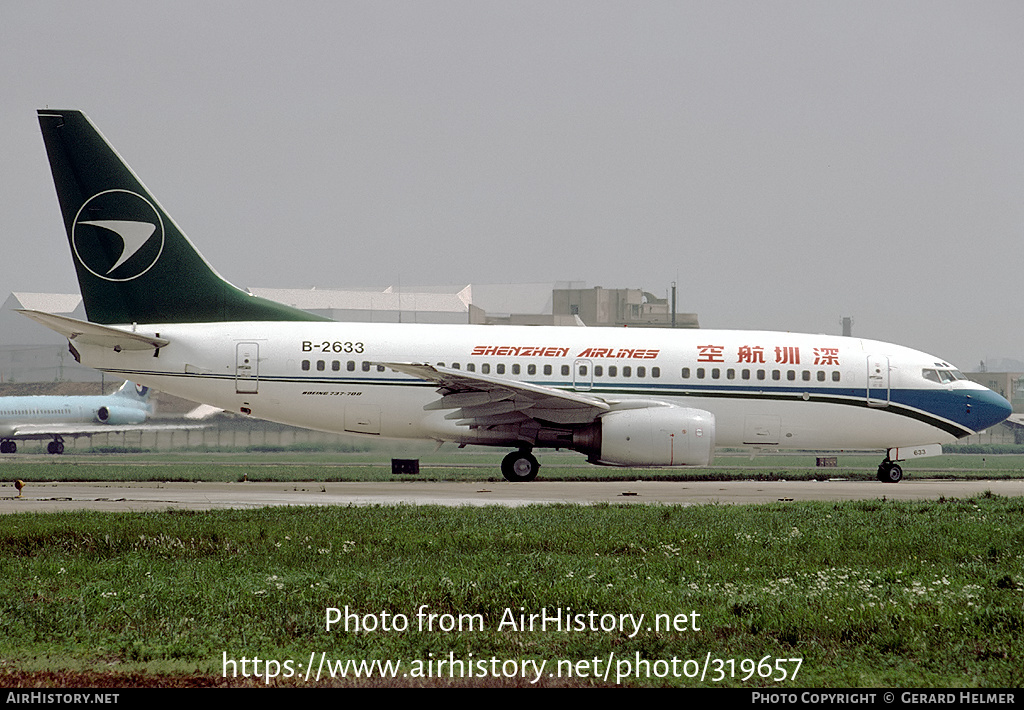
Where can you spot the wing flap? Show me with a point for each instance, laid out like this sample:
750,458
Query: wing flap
483,400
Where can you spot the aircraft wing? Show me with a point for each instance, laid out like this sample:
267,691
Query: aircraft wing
80,331
480,400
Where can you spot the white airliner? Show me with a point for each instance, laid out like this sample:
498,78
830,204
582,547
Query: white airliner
55,417
159,314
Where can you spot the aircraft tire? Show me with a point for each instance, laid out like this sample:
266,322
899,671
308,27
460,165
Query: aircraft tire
519,466
890,473
55,447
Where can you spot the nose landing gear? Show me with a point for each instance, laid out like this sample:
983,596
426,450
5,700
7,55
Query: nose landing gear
889,472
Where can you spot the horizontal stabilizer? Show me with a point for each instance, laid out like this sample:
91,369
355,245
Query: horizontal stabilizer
80,331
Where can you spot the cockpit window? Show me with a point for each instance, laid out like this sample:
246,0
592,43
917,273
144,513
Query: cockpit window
942,376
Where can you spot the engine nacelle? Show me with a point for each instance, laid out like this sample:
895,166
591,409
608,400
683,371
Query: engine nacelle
120,415
654,436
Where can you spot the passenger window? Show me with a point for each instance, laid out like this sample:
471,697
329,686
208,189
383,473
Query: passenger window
336,365
351,366
655,372
531,369
730,374
821,375
761,374
835,376
565,370
485,368
547,369
700,373
715,373
515,369
806,374
686,373
790,375
613,371
598,370
641,372
776,375
471,367
627,371
745,374
366,366
320,365
305,364
501,368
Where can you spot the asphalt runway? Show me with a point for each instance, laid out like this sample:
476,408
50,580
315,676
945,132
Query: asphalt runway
53,497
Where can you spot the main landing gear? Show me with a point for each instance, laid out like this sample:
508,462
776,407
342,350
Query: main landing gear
8,447
56,446
520,466
889,472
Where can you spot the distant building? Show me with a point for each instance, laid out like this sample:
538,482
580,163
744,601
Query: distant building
388,305
619,307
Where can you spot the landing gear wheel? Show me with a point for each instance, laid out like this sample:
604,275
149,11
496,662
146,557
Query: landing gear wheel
889,472
55,447
519,466
5,447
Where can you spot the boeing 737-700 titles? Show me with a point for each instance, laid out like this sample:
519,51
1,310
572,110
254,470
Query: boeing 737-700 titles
160,315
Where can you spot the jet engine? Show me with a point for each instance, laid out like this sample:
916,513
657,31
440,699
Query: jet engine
652,436
120,415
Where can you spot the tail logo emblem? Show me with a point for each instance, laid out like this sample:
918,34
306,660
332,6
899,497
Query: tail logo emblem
118,235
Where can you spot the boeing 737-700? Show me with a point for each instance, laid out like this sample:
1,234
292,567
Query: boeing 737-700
159,314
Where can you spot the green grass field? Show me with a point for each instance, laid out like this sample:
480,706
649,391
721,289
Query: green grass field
864,594
473,466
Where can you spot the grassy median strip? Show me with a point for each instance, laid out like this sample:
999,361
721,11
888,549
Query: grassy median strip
868,593
460,466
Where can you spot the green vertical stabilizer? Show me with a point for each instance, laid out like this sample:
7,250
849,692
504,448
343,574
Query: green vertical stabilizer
134,265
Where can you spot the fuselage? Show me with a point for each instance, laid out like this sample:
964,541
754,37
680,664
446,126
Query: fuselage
16,413
769,389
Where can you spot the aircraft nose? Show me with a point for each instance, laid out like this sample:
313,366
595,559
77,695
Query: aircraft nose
989,409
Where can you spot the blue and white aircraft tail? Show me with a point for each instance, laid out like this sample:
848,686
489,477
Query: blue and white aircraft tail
160,315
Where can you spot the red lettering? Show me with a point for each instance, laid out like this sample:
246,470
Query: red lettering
710,353
749,353
826,356
788,355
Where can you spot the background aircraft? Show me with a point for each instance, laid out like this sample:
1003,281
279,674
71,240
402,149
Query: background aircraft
56,417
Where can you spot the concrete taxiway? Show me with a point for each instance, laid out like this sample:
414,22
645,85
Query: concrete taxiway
52,497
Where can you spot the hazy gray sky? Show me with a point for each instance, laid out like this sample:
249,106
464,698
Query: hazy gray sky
787,163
